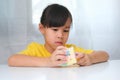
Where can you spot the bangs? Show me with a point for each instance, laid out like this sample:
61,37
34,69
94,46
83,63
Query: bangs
55,16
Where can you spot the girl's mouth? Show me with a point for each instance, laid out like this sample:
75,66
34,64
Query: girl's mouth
59,43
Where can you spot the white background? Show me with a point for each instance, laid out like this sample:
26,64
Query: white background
96,25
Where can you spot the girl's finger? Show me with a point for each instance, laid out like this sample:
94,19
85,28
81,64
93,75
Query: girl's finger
61,48
79,55
61,57
60,52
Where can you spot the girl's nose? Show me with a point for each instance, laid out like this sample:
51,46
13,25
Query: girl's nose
60,34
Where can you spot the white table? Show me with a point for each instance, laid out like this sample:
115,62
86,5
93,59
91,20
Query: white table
103,71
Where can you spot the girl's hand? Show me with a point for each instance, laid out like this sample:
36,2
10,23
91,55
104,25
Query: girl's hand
83,59
58,57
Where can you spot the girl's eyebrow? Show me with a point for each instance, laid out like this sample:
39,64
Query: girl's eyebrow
67,27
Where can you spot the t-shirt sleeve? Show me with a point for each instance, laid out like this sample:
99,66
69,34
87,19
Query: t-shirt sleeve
82,50
30,50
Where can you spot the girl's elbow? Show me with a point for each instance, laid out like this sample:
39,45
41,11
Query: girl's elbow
106,55
11,60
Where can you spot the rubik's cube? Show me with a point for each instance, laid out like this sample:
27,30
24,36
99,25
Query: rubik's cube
71,60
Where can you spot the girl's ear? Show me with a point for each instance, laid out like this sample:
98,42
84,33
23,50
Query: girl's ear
41,28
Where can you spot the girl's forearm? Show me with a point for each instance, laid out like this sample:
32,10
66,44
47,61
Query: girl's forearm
99,56
27,61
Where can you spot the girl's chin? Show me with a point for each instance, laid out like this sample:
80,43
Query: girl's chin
58,46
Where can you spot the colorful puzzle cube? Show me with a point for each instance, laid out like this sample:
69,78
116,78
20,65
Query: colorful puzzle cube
71,60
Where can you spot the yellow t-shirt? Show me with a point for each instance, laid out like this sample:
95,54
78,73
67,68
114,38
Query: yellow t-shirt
38,50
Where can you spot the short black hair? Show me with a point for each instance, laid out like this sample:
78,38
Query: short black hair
55,15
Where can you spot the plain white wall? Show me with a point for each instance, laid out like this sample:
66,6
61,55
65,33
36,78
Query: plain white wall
96,25
99,22
15,17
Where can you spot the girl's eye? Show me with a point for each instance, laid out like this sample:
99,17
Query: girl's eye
55,29
66,30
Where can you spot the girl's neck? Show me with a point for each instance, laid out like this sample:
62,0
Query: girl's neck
48,48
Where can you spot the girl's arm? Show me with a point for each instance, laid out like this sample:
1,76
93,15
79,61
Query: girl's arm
99,56
28,61
56,59
94,57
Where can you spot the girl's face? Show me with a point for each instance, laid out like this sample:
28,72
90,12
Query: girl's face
55,36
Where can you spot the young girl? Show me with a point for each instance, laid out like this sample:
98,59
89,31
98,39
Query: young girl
55,26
